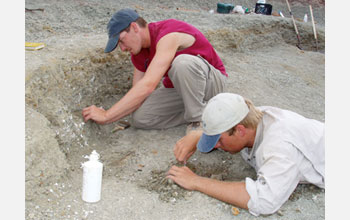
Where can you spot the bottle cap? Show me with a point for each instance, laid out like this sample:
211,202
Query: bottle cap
94,155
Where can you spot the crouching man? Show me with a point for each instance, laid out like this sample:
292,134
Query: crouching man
284,147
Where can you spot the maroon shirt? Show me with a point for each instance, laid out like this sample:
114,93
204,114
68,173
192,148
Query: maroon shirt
200,47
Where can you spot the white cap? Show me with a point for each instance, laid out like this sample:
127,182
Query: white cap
94,155
222,112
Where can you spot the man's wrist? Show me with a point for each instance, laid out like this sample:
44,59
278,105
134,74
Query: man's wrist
197,183
107,116
196,134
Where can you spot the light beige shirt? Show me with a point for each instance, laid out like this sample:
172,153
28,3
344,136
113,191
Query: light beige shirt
288,150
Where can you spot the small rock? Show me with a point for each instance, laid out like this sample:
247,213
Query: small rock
170,181
235,211
280,213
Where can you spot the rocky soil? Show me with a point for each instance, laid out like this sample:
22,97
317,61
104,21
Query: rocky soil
73,72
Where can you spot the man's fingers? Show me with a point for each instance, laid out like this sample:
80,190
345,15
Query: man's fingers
187,157
87,117
181,154
174,170
175,150
170,177
178,152
87,112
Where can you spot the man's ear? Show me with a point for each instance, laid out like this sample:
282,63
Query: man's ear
134,26
241,130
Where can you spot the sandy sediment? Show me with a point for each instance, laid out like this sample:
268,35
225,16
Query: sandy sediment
72,71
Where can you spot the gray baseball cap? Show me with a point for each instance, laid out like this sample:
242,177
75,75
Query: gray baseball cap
222,112
119,21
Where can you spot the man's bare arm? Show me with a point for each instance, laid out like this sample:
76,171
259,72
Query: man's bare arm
137,76
186,146
166,49
234,193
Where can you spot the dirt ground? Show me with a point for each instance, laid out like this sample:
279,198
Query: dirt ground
71,72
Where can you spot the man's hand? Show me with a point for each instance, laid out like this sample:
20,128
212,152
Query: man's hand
186,146
183,176
94,113
234,193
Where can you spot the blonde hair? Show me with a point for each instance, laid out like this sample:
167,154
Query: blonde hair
251,120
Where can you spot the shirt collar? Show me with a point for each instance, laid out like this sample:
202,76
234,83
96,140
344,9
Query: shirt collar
257,140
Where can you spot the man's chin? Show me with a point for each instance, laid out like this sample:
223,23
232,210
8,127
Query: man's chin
134,54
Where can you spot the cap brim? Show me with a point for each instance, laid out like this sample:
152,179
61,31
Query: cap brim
207,142
112,44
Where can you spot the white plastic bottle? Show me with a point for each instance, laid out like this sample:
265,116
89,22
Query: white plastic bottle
92,178
305,18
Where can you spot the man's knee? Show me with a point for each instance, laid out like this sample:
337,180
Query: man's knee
145,118
182,59
138,120
187,66
183,63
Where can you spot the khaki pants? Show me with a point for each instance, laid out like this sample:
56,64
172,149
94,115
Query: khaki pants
195,82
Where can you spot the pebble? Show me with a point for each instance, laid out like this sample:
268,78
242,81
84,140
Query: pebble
235,211
280,213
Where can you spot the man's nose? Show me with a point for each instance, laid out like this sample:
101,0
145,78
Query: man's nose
122,47
217,145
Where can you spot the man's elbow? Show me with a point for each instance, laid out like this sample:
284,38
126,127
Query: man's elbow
148,88
147,91
263,207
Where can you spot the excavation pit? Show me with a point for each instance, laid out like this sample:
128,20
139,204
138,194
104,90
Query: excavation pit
73,72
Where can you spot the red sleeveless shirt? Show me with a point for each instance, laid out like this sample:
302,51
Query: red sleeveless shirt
200,47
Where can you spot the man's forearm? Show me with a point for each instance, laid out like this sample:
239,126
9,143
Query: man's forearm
145,83
119,116
130,102
234,193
